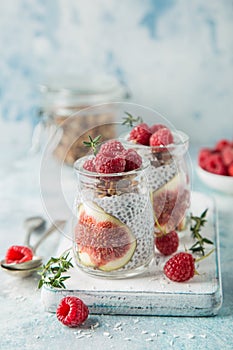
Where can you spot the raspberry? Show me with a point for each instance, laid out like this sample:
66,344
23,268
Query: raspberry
203,155
161,137
167,244
72,311
180,267
89,165
111,148
221,144
214,164
227,155
108,165
156,127
230,170
18,254
140,134
133,159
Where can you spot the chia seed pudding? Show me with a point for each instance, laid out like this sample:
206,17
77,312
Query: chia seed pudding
114,229
168,180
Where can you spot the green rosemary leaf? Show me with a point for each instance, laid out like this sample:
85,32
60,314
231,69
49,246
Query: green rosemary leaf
51,272
130,120
208,241
197,223
93,143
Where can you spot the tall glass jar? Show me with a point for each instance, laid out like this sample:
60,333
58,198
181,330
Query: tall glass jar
169,181
62,98
114,225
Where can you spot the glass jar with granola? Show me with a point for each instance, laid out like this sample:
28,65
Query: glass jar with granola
73,96
113,227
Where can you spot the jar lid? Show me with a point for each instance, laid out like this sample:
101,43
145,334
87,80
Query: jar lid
82,90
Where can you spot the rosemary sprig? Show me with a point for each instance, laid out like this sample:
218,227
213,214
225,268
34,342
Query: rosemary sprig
198,223
93,143
51,272
130,120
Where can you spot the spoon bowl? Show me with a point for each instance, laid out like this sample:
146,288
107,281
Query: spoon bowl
30,264
27,268
19,273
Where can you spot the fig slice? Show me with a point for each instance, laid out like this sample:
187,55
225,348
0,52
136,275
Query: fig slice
103,241
170,203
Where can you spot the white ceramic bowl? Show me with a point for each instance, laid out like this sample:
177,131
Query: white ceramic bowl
217,182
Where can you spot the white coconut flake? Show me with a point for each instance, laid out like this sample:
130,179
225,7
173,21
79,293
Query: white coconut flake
86,333
79,336
95,325
117,325
106,334
190,336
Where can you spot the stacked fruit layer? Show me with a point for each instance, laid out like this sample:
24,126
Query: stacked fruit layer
111,233
167,176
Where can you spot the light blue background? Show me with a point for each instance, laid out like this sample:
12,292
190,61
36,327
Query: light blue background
175,56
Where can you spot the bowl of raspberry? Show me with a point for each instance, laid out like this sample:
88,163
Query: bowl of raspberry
215,166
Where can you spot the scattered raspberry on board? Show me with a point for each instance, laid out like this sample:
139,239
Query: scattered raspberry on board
72,311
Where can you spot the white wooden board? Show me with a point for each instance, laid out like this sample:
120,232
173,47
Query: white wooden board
151,293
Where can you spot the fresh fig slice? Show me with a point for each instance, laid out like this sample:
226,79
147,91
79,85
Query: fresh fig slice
103,241
170,203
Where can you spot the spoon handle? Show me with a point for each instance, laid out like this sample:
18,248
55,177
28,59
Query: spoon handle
56,225
27,238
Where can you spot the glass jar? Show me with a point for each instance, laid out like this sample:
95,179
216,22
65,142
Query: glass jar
72,96
111,238
169,181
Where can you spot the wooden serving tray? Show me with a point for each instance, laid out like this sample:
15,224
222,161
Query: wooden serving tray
151,293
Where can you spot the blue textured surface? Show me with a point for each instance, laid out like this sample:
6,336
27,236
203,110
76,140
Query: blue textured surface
173,56
24,323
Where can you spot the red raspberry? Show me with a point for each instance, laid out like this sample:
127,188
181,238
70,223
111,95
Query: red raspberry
214,164
132,158
72,311
156,127
89,165
227,155
221,144
140,134
230,170
167,244
108,165
203,156
111,148
180,267
161,137
18,254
